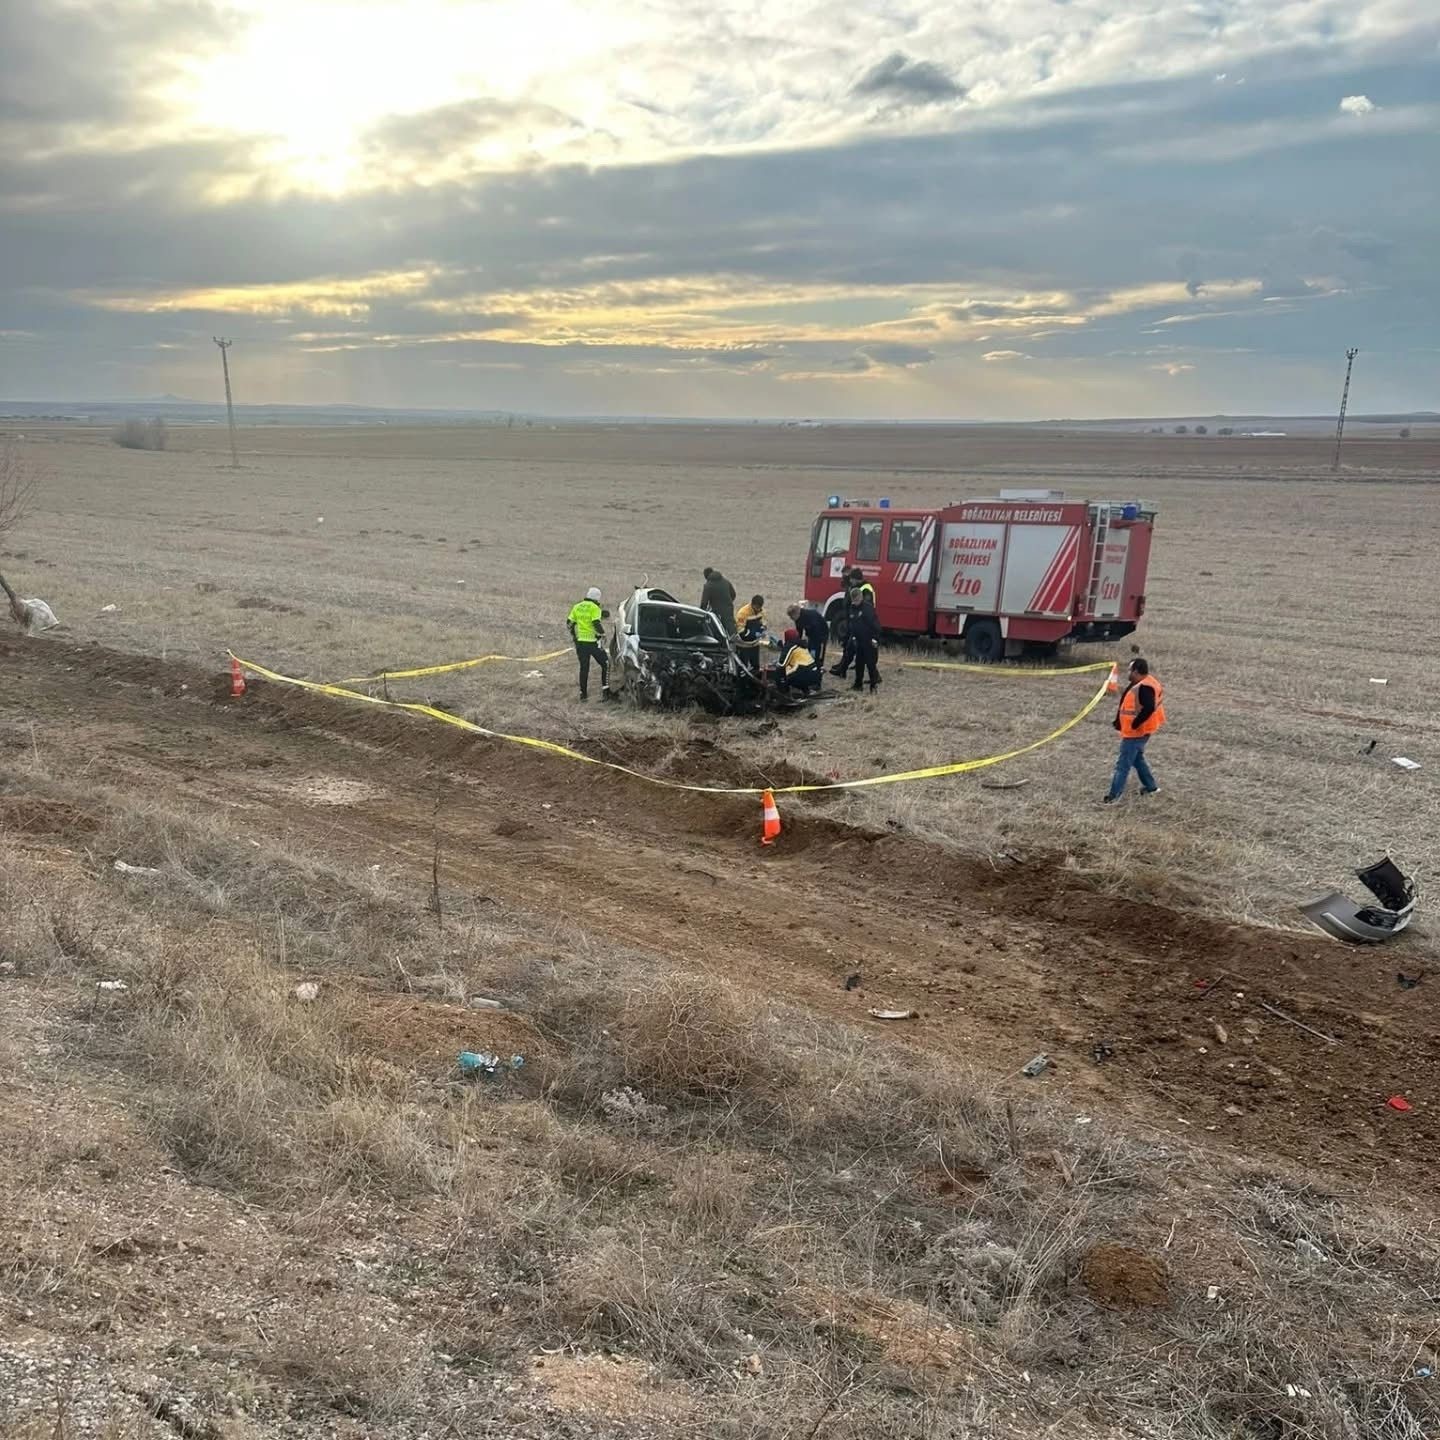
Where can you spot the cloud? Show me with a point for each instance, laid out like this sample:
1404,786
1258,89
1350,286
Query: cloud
1358,105
901,356
762,230
903,81
1173,367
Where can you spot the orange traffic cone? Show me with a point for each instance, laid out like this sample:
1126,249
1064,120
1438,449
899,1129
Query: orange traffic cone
770,824
237,677
1112,683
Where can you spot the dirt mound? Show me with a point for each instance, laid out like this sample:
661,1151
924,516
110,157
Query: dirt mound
45,817
1124,1279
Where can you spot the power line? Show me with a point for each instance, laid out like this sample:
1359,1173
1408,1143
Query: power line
229,403
1344,401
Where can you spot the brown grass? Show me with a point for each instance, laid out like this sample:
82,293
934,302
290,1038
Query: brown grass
803,1228
1267,647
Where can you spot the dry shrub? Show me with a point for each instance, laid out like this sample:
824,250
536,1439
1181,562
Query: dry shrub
667,1303
591,1162
973,1274
137,434
691,1036
260,1091
709,1196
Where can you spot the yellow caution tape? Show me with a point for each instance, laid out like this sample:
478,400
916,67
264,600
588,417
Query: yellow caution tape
1007,669
381,675
929,772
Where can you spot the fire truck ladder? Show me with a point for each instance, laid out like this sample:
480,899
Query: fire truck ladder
1102,532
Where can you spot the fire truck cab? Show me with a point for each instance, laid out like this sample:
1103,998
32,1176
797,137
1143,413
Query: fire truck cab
1027,568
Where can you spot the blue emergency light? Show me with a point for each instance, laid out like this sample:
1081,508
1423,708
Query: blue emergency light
884,502
834,502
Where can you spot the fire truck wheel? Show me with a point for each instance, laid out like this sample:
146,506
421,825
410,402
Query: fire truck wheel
983,641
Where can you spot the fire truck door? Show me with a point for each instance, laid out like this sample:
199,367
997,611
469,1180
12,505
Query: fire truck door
909,564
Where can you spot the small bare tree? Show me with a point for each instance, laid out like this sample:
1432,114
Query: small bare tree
17,488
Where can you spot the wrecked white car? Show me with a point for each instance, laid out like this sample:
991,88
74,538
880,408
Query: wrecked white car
669,654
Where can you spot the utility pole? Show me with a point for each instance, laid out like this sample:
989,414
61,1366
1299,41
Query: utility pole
1344,401
229,403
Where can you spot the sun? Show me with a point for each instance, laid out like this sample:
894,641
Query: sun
311,80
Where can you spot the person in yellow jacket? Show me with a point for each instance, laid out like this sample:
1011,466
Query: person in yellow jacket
588,634
798,669
750,632
1141,714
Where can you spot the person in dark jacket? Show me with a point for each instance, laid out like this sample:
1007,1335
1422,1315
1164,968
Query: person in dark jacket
854,579
864,638
718,597
814,629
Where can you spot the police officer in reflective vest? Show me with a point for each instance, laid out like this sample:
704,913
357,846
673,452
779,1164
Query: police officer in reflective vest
1141,714
583,623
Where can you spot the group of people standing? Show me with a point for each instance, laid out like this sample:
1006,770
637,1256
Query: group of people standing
806,639
1140,714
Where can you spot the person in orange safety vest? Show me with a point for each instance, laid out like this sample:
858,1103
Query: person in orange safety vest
1141,714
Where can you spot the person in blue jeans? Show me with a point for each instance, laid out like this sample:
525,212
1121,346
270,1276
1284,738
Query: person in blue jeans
1141,714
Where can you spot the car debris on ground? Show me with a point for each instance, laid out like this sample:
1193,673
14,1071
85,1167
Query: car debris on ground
1038,1066
1340,917
32,616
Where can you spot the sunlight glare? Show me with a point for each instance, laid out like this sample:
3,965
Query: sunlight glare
313,79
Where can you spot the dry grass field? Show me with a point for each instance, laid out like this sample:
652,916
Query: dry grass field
1277,592
719,1198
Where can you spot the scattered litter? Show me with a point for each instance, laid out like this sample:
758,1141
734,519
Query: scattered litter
755,1365
529,674
547,806
1374,681
109,609
896,1014
1003,784
852,982
1100,1052
1341,917
1038,1066
38,616
319,519
1212,1294
1399,1102
483,1002
1423,1372
1309,1249
1370,748
459,582
119,987
1084,1119
1204,987
125,869
1408,982
1297,1392
482,1062
307,992
1404,762
1233,1111
1221,1034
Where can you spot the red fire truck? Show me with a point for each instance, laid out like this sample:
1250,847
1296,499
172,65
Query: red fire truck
1026,569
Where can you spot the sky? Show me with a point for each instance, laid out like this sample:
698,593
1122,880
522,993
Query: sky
967,209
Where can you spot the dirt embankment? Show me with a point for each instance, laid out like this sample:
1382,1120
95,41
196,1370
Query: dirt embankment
1160,1012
